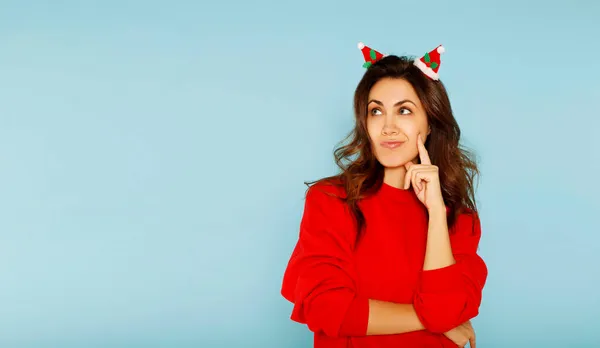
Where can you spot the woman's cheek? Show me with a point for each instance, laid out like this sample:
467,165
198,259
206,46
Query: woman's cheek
412,130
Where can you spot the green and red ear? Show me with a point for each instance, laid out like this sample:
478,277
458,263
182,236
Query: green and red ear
430,62
370,55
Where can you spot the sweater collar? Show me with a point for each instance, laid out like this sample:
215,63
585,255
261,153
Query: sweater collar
397,194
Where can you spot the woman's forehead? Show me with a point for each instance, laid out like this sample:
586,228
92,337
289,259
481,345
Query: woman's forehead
390,91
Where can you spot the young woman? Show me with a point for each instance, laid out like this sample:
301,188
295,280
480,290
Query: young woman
387,249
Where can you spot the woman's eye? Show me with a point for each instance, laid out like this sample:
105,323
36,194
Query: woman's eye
374,111
404,111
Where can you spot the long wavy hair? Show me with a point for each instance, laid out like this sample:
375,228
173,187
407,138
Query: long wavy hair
361,174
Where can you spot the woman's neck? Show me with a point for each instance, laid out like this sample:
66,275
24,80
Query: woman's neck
395,176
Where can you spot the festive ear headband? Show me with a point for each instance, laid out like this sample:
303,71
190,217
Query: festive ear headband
429,64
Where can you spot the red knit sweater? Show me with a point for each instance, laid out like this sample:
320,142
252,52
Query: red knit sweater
330,278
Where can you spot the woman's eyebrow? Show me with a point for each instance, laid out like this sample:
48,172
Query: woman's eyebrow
398,103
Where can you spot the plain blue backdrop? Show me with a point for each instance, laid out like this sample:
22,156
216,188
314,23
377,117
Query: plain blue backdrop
153,156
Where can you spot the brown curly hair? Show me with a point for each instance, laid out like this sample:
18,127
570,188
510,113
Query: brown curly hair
362,174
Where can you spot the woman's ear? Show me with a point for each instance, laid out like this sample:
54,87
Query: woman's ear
428,130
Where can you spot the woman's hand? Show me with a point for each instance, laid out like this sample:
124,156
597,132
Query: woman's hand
425,179
462,334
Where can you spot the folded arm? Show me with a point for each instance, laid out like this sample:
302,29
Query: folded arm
320,279
453,275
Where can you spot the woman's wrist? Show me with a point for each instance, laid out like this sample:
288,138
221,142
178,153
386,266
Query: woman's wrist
437,211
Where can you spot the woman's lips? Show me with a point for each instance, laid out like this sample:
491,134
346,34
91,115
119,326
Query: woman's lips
391,144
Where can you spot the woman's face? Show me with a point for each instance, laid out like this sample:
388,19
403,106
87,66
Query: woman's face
395,117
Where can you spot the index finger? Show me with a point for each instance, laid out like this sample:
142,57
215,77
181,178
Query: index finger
423,154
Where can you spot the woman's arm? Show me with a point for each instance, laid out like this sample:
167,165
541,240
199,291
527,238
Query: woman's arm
387,318
453,276
321,278
438,253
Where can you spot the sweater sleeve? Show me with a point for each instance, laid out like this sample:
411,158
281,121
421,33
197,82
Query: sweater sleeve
320,279
449,296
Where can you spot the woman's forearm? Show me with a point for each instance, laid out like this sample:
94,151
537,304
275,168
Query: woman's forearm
387,318
438,253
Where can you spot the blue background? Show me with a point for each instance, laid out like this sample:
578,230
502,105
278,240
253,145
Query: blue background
153,156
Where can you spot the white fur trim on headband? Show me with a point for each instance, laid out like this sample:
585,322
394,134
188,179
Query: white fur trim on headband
426,70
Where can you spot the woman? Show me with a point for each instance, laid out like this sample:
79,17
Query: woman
387,249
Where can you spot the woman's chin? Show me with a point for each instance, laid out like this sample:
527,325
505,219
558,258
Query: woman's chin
393,161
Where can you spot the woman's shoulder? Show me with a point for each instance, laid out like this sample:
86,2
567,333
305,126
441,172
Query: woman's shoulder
332,187
466,220
467,214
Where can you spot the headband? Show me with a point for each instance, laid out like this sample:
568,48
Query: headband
429,63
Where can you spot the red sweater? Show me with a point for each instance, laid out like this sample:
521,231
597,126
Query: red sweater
330,277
